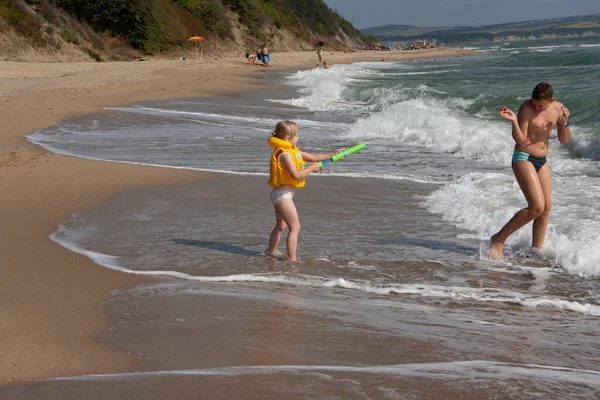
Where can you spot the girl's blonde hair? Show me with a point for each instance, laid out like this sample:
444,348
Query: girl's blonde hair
286,129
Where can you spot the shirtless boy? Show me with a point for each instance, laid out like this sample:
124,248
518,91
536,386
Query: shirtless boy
531,130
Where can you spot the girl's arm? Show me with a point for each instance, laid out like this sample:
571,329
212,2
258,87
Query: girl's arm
316,157
286,160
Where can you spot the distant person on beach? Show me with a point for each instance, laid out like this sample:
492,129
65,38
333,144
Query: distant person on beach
325,65
264,55
531,129
286,174
258,54
251,58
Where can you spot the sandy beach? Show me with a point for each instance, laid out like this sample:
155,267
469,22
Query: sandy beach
50,297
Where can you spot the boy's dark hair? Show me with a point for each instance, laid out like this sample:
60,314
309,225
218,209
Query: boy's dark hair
543,91
247,55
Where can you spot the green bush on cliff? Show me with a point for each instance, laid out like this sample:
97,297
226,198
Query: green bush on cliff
322,19
280,13
127,18
210,12
249,13
150,25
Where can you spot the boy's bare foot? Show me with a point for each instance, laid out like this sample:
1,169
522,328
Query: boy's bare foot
496,248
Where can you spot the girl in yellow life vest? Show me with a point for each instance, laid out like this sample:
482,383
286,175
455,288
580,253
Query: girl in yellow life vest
287,173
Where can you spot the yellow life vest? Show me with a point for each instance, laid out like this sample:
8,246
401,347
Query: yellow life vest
278,173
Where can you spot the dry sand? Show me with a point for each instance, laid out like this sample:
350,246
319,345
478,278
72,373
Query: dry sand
50,298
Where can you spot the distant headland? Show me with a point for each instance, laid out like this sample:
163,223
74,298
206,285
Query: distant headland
573,26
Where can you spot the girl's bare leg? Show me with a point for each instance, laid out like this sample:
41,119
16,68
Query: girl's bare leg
280,227
532,190
289,215
540,224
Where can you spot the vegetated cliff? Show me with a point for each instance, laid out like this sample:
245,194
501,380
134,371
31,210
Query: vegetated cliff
68,30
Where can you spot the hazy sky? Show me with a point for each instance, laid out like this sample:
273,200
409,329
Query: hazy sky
370,13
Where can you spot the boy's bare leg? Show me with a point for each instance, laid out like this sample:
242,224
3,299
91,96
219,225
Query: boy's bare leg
540,224
287,209
280,227
529,183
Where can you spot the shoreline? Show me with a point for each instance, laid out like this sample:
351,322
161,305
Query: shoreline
51,311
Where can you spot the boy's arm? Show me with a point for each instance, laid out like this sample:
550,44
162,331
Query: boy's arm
563,132
286,160
316,157
521,125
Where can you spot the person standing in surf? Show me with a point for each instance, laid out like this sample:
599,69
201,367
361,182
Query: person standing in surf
320,51
286,174
531,129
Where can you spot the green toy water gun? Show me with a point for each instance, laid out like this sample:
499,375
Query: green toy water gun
344,153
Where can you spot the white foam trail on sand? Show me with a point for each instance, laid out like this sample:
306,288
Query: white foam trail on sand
247,121
478,369
31,138
456,293
163,111
387,176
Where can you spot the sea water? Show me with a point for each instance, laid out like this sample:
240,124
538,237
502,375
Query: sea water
394,240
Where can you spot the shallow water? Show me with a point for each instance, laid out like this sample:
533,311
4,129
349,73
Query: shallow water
381,283
428,121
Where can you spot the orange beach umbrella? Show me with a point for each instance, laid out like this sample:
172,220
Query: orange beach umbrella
198,41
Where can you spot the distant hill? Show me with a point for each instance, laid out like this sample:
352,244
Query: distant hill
580,25
123,29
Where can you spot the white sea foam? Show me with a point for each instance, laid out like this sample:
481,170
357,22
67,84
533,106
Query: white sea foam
537,48
323,89
585,143
327,89
437,125
441,71
369,65
490,200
